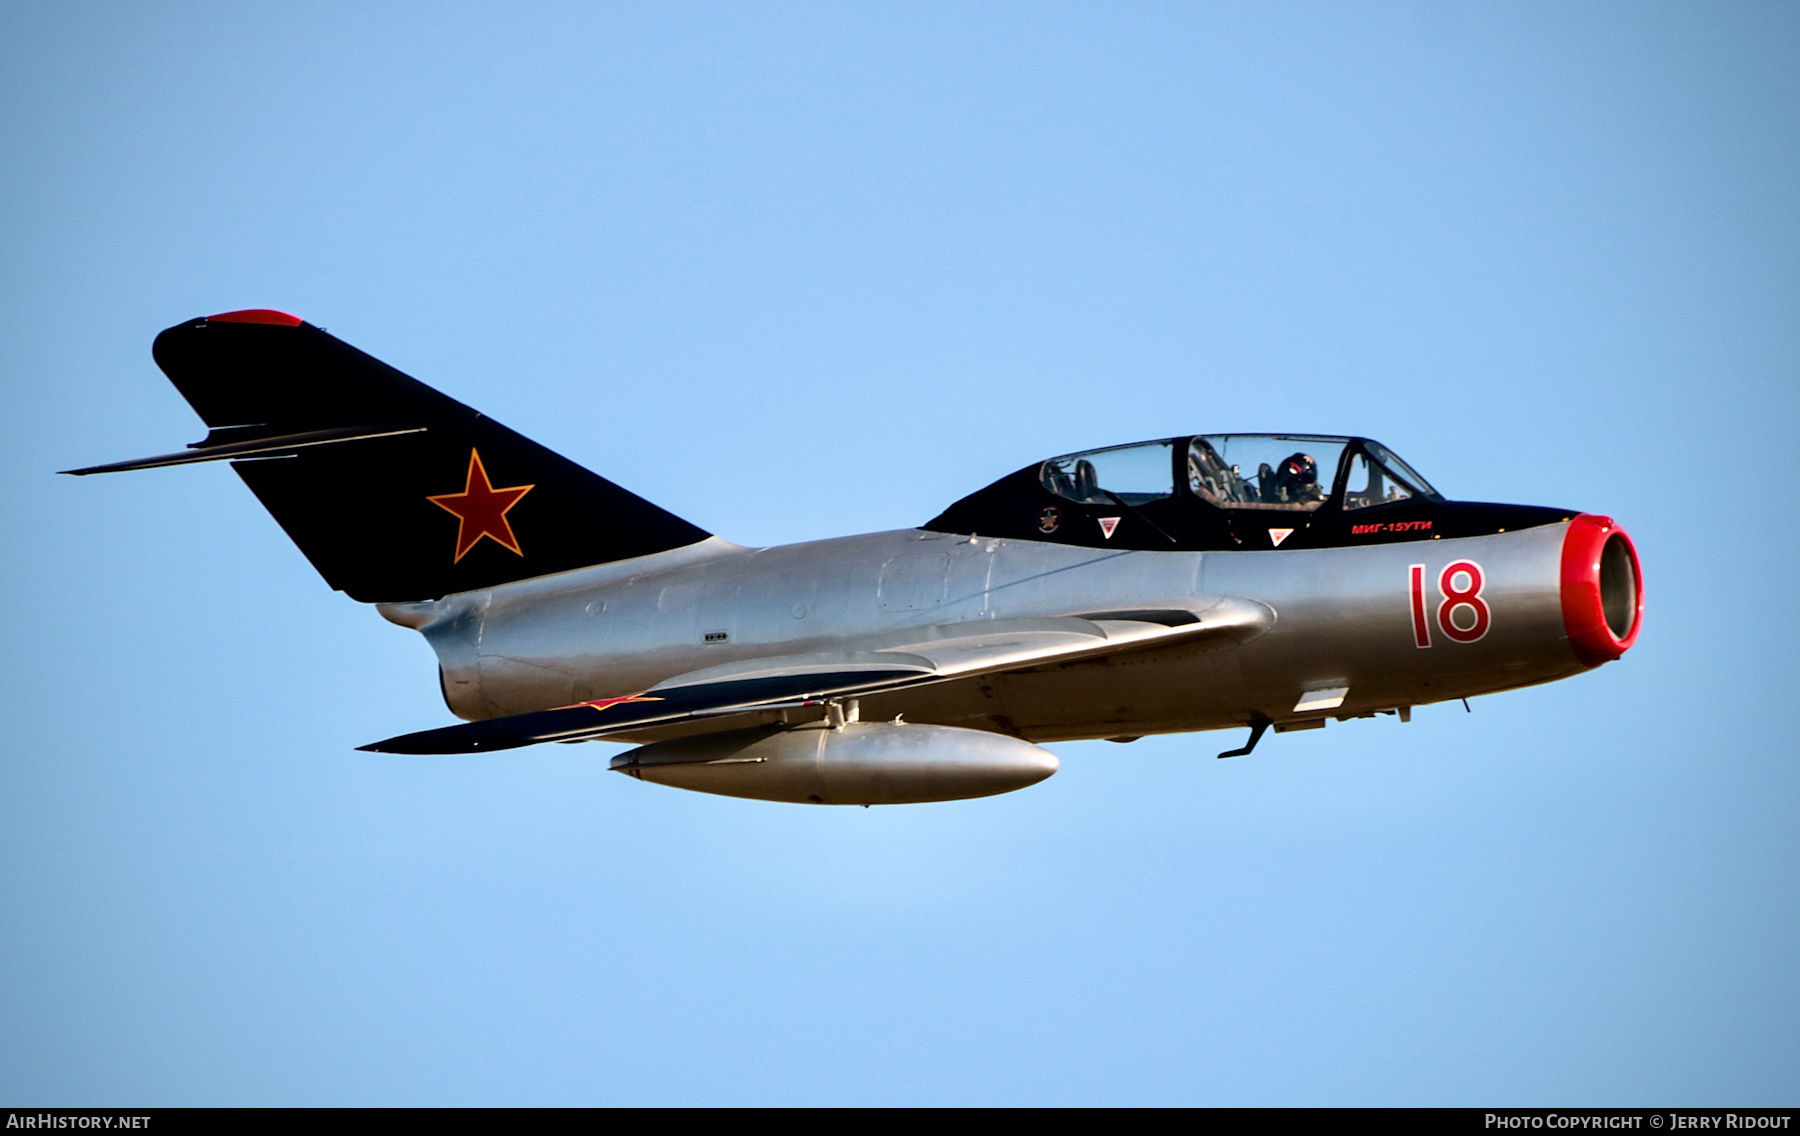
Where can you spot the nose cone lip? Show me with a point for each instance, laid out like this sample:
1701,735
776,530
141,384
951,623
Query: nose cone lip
1602,589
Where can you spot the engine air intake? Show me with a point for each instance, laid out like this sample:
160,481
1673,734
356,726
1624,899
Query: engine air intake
1602,590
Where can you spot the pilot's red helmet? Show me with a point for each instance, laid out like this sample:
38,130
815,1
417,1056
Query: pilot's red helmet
1300,469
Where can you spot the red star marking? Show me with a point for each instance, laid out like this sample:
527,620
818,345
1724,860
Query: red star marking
603,703
481,509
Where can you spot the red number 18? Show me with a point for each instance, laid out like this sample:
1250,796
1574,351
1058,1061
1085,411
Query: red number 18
1468,595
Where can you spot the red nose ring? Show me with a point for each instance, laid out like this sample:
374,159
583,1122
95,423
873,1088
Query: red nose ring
1602,590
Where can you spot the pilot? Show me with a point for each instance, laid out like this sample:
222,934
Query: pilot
1298,479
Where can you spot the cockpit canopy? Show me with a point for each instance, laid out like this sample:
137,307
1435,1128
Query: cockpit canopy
1281,472
1228,493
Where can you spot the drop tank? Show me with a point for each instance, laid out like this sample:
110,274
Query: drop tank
858,763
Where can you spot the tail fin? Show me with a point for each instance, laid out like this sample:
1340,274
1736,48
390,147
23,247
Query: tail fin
392,490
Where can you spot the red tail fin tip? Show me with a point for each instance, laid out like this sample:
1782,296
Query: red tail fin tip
258,315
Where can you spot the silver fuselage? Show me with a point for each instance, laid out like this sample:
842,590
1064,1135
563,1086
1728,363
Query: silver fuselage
1342,618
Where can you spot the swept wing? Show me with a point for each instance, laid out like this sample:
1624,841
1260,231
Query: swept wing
932,654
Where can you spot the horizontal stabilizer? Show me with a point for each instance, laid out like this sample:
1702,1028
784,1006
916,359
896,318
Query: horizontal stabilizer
282,445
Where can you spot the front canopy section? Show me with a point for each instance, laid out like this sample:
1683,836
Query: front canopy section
1226,492
1289,472
1296,472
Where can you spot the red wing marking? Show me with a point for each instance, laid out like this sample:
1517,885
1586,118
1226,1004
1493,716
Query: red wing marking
603,703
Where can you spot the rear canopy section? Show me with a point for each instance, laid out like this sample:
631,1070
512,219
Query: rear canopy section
394,491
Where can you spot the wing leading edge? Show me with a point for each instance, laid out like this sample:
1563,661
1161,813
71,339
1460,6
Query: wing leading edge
937,654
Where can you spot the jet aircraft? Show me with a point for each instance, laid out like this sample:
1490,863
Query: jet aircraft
1268,581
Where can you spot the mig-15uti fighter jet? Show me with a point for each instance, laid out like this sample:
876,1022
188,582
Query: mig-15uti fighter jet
1191,583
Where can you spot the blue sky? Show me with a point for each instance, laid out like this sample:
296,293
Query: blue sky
793,271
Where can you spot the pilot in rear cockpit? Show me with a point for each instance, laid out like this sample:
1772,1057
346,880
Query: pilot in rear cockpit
1297,480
